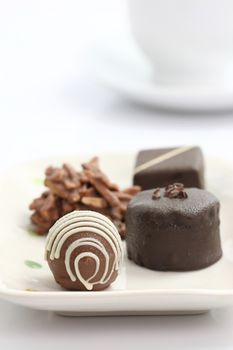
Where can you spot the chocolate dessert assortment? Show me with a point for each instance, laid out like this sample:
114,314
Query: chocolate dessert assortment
160,167
173,229
89,189
84,251
169,221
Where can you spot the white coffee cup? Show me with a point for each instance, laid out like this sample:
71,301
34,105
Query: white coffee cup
188,41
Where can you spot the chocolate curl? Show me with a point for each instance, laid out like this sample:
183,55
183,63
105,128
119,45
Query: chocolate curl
175,190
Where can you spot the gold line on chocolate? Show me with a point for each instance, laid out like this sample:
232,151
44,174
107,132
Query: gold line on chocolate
162,158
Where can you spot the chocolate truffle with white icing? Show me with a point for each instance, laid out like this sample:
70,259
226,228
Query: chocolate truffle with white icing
173,229
84,251
159,167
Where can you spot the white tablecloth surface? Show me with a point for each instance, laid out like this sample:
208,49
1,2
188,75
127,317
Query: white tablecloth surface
49,104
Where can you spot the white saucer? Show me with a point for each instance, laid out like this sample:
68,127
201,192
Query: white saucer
124,69
25,278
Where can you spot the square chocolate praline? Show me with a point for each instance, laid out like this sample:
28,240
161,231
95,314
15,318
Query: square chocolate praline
161,167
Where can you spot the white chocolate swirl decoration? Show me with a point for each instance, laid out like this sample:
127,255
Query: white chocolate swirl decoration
103,230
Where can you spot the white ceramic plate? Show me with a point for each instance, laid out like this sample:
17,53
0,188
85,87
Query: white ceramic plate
124,69
26,280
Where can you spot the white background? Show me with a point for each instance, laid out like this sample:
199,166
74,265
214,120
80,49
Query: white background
49,104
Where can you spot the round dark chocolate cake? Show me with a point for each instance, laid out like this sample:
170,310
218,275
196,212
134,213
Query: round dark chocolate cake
173,234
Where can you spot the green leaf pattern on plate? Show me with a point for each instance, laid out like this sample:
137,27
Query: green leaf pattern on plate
31,232
38,181
32,264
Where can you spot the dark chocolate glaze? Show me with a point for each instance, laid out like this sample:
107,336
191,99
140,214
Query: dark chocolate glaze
187,168
174,234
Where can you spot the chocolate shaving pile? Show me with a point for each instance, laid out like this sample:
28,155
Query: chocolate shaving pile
89,189
156,194
175,191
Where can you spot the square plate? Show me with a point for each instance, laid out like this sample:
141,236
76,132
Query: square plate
25,278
